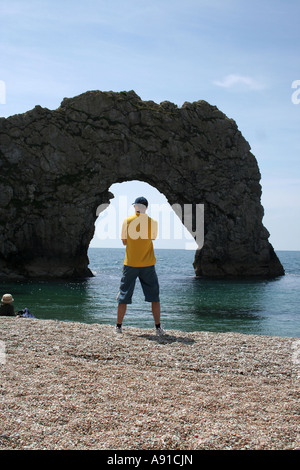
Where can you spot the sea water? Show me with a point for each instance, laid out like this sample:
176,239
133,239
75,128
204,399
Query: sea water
261,307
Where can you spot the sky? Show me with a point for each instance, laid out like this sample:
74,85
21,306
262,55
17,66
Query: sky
241,56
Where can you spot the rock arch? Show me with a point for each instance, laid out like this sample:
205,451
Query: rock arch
56,168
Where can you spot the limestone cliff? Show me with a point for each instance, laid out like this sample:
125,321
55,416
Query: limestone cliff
56,168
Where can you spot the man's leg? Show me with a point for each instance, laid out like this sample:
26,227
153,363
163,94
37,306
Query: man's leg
121,313
156,312
156,316
125,293
150,285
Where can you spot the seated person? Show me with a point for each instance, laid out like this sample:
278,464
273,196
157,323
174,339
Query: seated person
7,309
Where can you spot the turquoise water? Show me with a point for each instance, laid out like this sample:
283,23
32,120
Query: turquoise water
188,304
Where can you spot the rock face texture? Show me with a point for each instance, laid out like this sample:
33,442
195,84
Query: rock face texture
56,168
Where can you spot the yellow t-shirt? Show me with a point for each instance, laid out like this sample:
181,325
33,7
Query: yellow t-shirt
139,230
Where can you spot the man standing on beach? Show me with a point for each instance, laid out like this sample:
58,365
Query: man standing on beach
138,231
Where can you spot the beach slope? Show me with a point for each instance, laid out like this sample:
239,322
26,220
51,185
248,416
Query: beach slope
75,386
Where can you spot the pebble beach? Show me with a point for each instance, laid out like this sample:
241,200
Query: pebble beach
77,386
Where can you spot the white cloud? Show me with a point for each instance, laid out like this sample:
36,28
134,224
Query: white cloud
238,81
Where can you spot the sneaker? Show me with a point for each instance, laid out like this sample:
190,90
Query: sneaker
118,330
159,331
